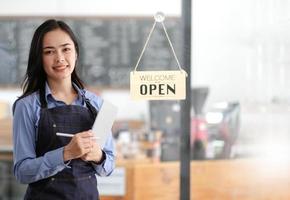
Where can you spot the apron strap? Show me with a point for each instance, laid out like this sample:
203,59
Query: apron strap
91,108
42,97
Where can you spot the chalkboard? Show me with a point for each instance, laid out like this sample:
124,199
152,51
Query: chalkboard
109,46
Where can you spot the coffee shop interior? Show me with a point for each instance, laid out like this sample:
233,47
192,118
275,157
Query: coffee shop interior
239,93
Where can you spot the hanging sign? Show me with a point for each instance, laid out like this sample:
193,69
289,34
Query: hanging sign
157,85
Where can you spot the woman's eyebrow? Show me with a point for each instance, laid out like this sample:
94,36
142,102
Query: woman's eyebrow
65,44
52,47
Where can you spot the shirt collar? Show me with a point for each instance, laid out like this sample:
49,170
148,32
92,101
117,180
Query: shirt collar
78,90
47,91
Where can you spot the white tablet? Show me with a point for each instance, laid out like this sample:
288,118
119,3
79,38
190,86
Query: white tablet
104,121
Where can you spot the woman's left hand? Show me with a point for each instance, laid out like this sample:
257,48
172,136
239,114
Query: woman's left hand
95,154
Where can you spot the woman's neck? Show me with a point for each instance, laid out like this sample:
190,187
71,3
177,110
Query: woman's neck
62,90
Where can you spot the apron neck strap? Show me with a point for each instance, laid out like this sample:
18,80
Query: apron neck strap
91,108
42,97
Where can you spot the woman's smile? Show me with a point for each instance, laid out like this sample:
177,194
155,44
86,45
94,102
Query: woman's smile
60,68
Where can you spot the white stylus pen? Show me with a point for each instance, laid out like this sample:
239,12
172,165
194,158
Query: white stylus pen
71,135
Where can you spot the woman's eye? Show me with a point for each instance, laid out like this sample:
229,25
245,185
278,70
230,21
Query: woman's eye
48,52
66,49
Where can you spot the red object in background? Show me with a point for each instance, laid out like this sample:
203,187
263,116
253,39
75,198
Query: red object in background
199,130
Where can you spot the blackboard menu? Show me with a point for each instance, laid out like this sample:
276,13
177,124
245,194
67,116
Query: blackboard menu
110,48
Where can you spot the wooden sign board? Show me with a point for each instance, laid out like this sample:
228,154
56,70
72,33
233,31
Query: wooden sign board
158,85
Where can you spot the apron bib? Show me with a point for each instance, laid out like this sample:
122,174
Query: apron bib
77,182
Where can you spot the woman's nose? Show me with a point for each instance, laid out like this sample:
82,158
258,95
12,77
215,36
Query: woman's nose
59,57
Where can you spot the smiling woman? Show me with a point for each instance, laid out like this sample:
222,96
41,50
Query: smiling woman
54,100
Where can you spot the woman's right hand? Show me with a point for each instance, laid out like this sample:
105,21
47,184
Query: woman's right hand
79,145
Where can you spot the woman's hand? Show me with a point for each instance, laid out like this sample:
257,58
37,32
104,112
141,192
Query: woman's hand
79,145
95,154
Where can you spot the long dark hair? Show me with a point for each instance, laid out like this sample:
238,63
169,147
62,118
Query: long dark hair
35,76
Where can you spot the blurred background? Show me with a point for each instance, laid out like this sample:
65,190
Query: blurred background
240,101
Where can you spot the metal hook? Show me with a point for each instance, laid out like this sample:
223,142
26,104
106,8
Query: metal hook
159,17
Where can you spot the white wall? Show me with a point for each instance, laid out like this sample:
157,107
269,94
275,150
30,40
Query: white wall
88,7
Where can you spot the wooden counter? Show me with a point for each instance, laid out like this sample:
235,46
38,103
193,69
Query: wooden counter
245,179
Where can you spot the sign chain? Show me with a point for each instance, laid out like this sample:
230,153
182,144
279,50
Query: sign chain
149,36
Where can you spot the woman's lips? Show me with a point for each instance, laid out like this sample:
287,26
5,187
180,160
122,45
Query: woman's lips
60,67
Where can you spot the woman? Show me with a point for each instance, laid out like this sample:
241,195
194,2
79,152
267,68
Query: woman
54,100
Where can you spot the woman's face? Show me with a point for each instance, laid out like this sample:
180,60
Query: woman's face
58,55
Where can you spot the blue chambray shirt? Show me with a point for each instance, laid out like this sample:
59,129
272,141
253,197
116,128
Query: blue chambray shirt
27,167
